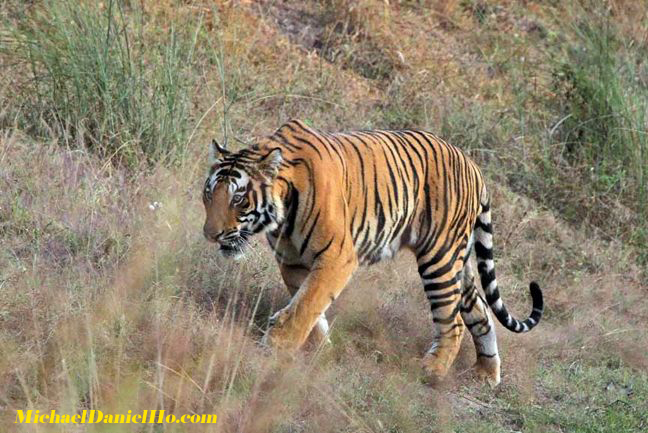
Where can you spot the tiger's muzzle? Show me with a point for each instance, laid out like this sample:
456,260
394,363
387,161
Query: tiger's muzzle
231,244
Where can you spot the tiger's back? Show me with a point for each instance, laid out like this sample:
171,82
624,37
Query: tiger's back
401,188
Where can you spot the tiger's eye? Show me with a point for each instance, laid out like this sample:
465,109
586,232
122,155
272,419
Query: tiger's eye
239,200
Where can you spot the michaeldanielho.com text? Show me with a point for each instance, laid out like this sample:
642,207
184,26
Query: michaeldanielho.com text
98,417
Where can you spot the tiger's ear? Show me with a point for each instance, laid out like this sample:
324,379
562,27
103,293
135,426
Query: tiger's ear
216,151
269,164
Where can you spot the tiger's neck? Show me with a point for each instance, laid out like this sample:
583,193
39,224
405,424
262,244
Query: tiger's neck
283,186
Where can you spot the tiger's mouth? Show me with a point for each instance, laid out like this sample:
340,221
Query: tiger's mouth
231,250
234,248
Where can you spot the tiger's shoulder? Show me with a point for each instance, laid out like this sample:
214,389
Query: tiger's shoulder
301,142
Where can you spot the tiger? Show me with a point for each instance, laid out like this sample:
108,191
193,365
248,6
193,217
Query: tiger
330,202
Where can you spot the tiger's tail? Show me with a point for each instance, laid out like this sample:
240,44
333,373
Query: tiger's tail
486,268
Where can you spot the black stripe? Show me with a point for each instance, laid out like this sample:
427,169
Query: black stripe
448,319
450,329
429,287
312,146
483,253
468,306
441,304
488,228
283,140
292,206
308,236
444,295
482,322
319,253
492,297
485,276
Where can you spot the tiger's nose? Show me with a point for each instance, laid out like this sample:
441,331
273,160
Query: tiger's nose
210,235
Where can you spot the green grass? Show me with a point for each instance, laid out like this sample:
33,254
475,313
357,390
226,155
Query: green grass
96,79
586,398
605,125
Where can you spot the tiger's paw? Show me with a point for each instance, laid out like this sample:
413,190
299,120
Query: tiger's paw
275,341
278,335
278,319
319,335
488,369
317,340
434,367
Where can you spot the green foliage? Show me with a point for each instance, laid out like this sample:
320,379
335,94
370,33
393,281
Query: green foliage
603,131
96,80
614,398
605,106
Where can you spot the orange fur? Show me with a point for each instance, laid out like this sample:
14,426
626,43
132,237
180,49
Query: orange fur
330,202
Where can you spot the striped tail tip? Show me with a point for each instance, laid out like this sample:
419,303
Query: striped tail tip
538,304
520,326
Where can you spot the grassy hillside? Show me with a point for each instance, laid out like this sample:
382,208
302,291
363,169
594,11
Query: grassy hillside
111,299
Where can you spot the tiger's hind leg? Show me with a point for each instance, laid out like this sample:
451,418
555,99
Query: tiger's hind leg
294,276
477,319
442,284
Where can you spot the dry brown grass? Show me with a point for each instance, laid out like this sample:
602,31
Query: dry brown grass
169,324
106,303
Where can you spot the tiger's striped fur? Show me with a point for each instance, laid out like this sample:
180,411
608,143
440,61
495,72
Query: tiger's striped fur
329,202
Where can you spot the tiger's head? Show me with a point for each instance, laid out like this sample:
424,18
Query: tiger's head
238,197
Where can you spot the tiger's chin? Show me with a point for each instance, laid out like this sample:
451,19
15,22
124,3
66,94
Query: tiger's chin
235,252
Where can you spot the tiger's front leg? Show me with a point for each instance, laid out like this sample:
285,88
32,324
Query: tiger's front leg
291,326
294,276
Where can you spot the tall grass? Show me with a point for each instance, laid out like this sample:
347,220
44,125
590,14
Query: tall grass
96,80
605,124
